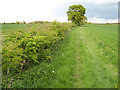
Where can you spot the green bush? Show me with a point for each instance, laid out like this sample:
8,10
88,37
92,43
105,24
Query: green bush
24,22
22,49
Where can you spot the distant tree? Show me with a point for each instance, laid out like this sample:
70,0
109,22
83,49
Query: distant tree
24,22
89,22
17,22
76,13
20,22
46,22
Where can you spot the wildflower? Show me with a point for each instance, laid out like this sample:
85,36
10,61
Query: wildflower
53,71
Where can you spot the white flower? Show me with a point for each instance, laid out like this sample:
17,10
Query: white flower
53,71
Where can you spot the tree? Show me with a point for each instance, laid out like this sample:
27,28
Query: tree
76,13
17,22
24,22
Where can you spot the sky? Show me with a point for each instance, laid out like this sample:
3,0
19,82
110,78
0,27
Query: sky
97,11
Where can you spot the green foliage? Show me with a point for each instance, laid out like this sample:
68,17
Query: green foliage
24,22
86,46
38,22
42,75
23,49
46,21
76,13
17,22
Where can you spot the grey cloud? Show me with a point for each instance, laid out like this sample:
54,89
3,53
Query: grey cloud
106,10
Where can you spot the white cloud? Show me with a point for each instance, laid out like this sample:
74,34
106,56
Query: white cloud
101,20
28,10
34,10
63,19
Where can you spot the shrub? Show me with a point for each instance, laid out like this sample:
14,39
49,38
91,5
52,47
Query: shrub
24,22
22,49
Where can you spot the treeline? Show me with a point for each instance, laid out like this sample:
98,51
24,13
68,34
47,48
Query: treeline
101,23
15,22
35,22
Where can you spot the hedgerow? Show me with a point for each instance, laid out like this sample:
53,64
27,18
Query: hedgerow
22,49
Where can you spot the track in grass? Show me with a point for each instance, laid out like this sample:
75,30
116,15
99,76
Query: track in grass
97,65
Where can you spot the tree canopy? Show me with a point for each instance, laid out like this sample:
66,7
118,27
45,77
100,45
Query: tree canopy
76,13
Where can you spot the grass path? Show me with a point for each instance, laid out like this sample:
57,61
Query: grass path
93,70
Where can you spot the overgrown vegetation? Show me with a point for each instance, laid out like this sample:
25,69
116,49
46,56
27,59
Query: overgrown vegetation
51,55
22,49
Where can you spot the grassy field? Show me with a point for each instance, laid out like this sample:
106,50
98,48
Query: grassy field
8,28
98,57
86,58
14,26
